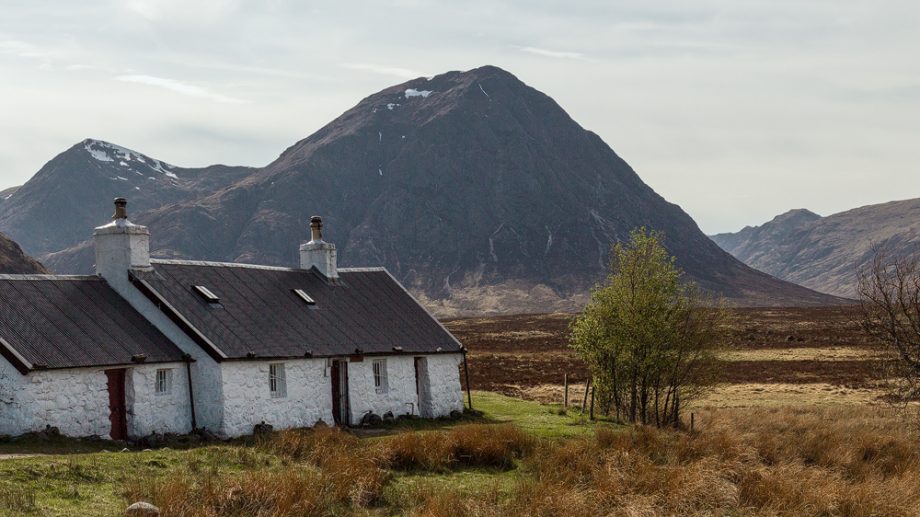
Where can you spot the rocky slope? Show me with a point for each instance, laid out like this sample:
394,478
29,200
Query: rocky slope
825,253
476,190
14,260
73,193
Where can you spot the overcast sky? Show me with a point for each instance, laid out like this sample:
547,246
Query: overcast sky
735,110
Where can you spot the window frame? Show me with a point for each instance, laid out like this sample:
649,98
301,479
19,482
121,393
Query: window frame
163,385
277,381
381,381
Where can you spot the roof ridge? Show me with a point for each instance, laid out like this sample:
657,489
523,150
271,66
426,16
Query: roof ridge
208,263
35,277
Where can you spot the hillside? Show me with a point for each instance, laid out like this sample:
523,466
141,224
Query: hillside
72,194
825,253
14,261
476,190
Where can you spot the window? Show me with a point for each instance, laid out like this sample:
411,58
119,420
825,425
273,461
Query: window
380,375
304,296
276,382
206,293
164,382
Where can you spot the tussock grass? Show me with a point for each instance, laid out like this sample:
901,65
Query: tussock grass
834,461
473,445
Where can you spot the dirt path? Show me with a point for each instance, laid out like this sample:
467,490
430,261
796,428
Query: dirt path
17,456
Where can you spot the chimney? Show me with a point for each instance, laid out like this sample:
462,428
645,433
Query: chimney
121,246
318,253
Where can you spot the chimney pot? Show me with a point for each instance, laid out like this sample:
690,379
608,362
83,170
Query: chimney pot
316,228
121,208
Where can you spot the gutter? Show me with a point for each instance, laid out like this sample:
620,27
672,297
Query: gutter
191,393
15,358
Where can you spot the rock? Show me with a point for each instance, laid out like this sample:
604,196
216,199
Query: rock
456,415
206,434
371,419
142,509
263,429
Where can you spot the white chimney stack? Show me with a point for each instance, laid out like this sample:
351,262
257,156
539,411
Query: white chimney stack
121,246
318,253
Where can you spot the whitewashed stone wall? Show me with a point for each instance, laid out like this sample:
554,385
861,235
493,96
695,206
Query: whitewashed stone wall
248,400
439,383
400,397
149,411
443,384
76,401
206,372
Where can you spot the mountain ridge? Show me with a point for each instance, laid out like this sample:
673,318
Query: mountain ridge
473,188
825,253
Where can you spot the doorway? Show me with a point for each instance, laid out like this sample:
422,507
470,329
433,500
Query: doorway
115,381
423,387
339,378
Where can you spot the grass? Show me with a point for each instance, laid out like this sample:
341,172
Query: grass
517,458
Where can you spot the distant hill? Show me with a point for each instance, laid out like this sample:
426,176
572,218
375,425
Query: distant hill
13,260
72,194
477,191
824,253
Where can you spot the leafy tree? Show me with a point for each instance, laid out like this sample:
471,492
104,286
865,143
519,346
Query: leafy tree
647,337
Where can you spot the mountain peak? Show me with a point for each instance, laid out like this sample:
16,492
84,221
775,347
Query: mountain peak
795,216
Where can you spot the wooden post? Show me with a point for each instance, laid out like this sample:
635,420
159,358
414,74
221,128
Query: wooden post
466,373
591,414
584,399
565,399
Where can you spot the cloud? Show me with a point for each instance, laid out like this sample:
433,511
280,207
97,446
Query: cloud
190,90
403,73
556,54
23,49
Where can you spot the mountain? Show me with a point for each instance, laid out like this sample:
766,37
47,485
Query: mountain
825,253
477,191
73,192
14,260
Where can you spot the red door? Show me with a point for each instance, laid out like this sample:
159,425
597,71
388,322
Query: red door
117,411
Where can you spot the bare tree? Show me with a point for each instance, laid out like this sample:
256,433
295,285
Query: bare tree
889,292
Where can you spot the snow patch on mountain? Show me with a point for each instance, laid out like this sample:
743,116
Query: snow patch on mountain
412,92
108,152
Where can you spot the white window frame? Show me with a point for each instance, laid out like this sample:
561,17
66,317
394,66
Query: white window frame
277,381
379,368
162,384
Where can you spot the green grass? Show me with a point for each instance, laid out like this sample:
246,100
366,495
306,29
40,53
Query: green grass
73,477
541,420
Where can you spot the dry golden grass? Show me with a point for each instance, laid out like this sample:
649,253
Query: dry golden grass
473,445
828,462
834,461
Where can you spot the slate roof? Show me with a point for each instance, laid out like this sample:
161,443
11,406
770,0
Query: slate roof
259,315
51,321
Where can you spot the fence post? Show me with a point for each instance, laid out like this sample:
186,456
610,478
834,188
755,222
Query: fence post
591,414
565,399
584,399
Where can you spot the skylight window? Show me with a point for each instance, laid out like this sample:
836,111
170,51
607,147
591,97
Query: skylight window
206,293
304,296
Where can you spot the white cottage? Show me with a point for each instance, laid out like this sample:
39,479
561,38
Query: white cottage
221,346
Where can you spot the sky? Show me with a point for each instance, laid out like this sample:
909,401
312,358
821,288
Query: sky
735,110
